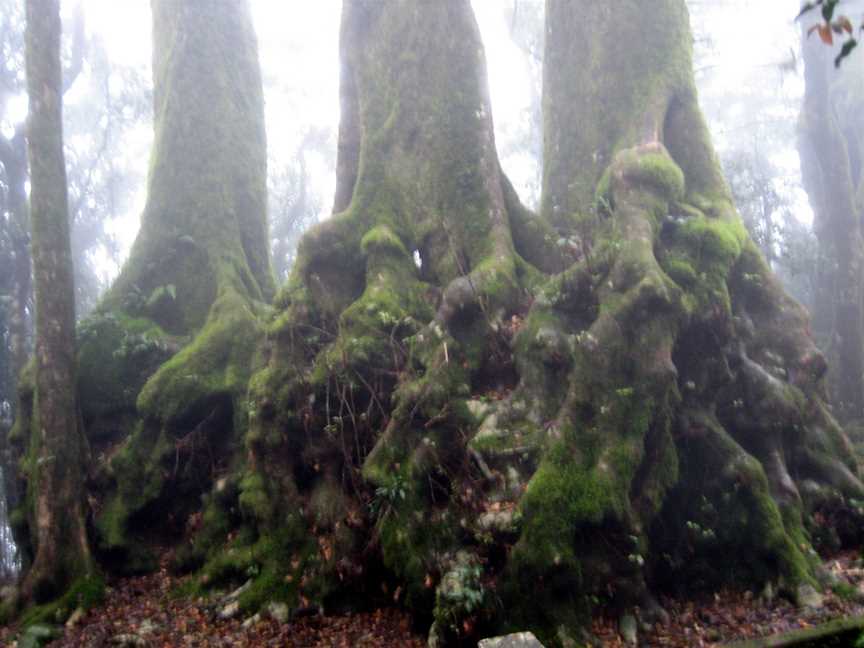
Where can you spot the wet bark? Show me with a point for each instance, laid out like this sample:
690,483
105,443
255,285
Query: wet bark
57,453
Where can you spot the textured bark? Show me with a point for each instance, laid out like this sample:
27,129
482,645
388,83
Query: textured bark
204,227
195,286
831,151
57,453
542,411
655,381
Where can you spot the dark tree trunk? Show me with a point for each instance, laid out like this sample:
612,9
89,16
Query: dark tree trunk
56,458
831,151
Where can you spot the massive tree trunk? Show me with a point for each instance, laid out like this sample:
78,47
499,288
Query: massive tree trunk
652,387
831,157
459,399
165,360
56,457
199,276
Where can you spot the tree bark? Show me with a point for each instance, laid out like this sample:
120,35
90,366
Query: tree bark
57,454
831,156
195,285
204,227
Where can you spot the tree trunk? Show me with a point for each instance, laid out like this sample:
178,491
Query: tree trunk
197,280
56,458
458,398
831,156
204,227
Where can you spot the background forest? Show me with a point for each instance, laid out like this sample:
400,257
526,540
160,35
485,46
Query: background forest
786,127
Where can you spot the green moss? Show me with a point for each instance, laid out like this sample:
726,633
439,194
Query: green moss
721,241
84,593
116,355
654,169
254,499
382,239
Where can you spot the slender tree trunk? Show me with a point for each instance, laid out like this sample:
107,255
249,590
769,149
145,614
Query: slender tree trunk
57,454
831,150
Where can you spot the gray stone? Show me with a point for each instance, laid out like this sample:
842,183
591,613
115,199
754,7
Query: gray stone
628,630
278,611
809,597
75,618
147,627
251,621
496,521
230,611
518,640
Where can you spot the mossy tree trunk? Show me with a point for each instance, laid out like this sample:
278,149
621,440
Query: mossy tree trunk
694,405
624,367
57,454
165,360
831,147
460,398
661,368
204,227
199,270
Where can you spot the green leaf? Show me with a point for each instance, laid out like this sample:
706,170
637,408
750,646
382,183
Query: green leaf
847,48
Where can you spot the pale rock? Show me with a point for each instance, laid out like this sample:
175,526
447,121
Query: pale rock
517,640
230,611
628,630
278,611
75,618
809,597
251,621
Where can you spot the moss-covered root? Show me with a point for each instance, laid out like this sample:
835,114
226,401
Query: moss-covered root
727,504
194,411
609,458
420,267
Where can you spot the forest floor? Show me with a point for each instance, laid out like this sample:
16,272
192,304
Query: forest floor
142,612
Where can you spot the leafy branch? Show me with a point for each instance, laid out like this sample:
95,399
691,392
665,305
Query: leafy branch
832,25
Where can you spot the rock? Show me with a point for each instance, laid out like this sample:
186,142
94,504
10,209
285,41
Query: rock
147,627
628,630
497,522
38,635
75,618
479,409
518,640
230,611
233,596
128,640
809,597
278,611
251,621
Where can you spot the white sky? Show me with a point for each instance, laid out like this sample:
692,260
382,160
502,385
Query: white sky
298,43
